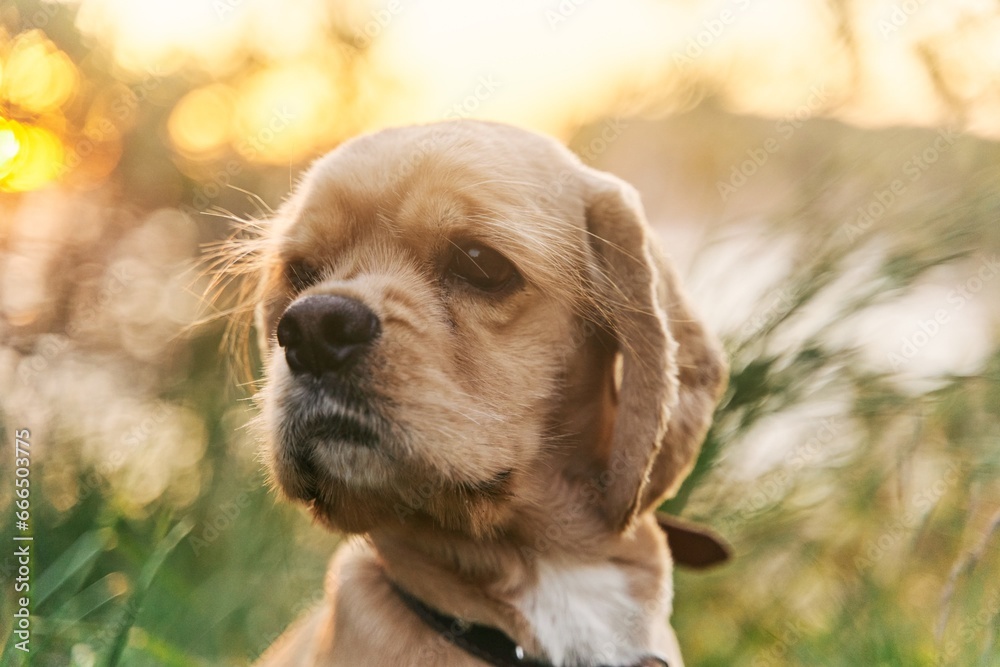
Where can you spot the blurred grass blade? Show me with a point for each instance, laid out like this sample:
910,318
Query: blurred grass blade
91,598
146,576
70,570
77,560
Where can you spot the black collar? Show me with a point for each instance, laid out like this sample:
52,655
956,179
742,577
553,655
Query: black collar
488,644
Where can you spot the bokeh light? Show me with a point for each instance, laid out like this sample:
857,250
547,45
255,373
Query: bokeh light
35,157
9,146
286,111
37,76
872,64
37,80
200,122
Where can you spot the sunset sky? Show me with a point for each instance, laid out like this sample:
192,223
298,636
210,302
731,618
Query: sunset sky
551,65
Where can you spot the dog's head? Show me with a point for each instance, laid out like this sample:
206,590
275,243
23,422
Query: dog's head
463,322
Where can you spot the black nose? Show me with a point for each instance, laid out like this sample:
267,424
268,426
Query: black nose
323,334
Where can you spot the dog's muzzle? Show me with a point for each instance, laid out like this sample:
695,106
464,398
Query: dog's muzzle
326,334
325,339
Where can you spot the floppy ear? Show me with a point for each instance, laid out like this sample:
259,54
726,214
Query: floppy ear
672,369
692,545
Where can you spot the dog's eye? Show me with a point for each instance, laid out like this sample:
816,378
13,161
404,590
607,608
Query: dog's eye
481,266
300,275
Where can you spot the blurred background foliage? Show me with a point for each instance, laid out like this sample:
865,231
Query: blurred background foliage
825,173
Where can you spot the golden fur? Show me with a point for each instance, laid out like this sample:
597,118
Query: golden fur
533,430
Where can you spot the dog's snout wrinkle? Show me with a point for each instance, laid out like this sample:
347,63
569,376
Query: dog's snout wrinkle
325,333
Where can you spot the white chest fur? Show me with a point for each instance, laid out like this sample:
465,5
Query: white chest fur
584,615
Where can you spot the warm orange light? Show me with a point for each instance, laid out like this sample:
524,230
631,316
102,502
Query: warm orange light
200,122
554,65
9,147
36,81
151,34
37,76
35,157
286,112
94,168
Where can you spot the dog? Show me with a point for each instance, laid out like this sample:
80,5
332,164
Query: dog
480,364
